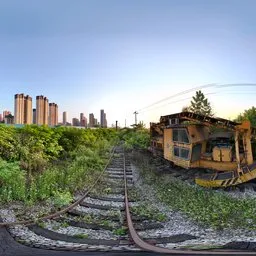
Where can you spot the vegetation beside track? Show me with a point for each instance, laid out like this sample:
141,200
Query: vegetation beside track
39,163
135,138
212,208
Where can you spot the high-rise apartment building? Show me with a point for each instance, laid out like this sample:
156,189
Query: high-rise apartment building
22,109
103,120
91,120
19,108
34,116
9,119
64,116
81,117
53,114
6,113
102,117
42,110
75,122
27,110
83,120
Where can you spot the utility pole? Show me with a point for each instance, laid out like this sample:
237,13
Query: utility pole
116,125
135,113
125,123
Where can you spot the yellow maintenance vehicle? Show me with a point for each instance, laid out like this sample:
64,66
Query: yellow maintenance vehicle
192,140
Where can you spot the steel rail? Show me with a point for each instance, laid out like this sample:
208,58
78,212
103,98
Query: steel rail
64,210
156,249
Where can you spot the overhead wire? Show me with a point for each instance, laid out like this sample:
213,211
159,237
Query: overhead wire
142,110
179,94
172,102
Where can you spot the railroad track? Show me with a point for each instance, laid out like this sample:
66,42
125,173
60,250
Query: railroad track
104,222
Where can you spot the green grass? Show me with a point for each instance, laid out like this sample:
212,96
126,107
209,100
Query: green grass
64,224
120,231
91,219
41,224
149,212
133,194
81,235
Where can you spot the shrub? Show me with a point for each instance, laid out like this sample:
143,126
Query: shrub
12,181
61,198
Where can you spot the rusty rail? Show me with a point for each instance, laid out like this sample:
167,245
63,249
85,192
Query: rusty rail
156,249
64,210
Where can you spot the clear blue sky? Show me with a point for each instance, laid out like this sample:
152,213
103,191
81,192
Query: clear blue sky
124,55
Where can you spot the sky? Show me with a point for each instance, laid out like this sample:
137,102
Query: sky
123,56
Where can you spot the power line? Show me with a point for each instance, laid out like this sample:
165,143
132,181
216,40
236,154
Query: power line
172,102
235,85
197,88
188,98
178,94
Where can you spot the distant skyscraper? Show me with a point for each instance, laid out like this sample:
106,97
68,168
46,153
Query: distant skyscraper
22,109
81,119
91,120
105,120
28,110
53,114
42,110
102,117
75,122
64,118
85,122
6,113
34,116
9,119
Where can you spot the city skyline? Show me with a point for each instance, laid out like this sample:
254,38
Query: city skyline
124,56
46,113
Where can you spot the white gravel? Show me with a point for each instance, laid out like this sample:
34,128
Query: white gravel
82,209
113,204
114,172
242,195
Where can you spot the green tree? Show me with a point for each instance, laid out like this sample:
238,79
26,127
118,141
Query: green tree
185,109
248,114
200,105
8,143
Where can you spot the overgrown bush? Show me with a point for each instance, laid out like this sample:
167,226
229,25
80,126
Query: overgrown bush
62,198
8,143
43,163
12,181
135,138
